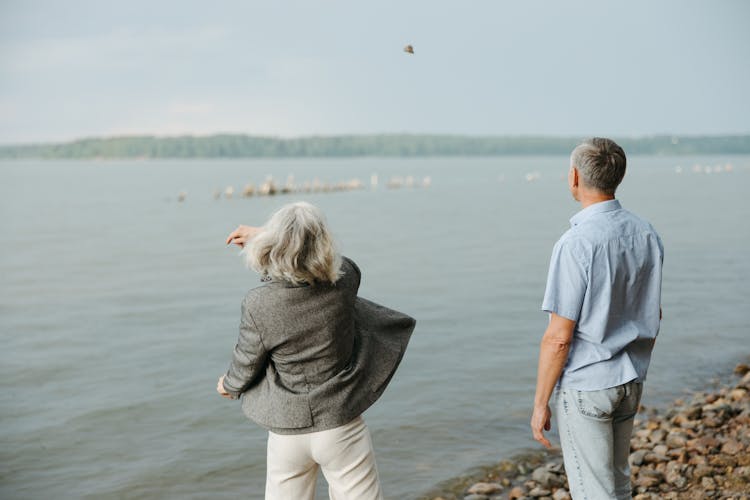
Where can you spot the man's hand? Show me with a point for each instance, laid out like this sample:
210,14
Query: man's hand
540,422
220,388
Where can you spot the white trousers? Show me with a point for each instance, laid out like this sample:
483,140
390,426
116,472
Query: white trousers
344,454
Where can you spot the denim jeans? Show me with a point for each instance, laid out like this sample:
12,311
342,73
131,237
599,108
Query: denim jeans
595,428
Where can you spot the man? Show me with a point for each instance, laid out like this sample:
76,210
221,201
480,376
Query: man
603,296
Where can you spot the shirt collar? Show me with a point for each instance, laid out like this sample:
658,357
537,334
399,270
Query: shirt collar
596,208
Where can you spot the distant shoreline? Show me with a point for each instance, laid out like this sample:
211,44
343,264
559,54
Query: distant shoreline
238,146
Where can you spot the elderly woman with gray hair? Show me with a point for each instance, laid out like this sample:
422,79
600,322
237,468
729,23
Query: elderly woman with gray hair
311,357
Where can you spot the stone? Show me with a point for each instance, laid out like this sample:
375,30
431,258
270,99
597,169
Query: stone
539,492
647,481
741,369
642,433
738,394
702,471
676,479
743,472
723,461
545,478
657,436
661,449
732,447
694,413
704,445
676,440
708,483
476,497
636,458
485,488
516,492
561,494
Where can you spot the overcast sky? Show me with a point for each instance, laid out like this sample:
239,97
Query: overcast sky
89,68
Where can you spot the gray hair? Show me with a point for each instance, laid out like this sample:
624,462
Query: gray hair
295,245
601,163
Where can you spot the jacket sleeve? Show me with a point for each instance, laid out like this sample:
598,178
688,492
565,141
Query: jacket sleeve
248,358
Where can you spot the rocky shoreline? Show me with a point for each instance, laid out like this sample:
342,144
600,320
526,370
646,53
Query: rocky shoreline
694,449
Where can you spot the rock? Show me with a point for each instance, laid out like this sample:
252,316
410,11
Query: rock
652,473
642,433
539,492
745,382
694,413
674,477
561,494
676,440
516,492
737,394
702,471
661,449
546,478
708,483
476,497
722,461
647,481
556,467
485,488
654,458
741,369
636,458
743,472
732,447
704,445
657,436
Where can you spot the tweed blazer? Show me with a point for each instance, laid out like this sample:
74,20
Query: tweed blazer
314,357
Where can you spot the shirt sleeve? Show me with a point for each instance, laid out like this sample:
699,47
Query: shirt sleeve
248,358
567,281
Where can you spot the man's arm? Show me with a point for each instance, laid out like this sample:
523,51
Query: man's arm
553,353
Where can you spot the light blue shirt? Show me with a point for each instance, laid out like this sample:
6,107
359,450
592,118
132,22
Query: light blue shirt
605,274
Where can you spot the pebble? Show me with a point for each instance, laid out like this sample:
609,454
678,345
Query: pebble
539,492
696,449
485,488
561,494
516,492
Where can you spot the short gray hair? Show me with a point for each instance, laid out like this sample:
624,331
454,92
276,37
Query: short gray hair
601,163
295,245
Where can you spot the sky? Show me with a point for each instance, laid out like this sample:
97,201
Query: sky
327,67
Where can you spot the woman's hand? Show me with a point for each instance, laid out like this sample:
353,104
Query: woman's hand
242,235
220,388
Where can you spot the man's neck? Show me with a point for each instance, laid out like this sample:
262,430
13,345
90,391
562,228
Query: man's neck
591,198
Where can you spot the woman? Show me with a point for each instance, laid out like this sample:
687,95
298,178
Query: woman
311,357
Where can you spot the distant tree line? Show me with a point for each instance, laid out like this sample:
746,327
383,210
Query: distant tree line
245,146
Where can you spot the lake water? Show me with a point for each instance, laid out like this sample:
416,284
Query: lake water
119,307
